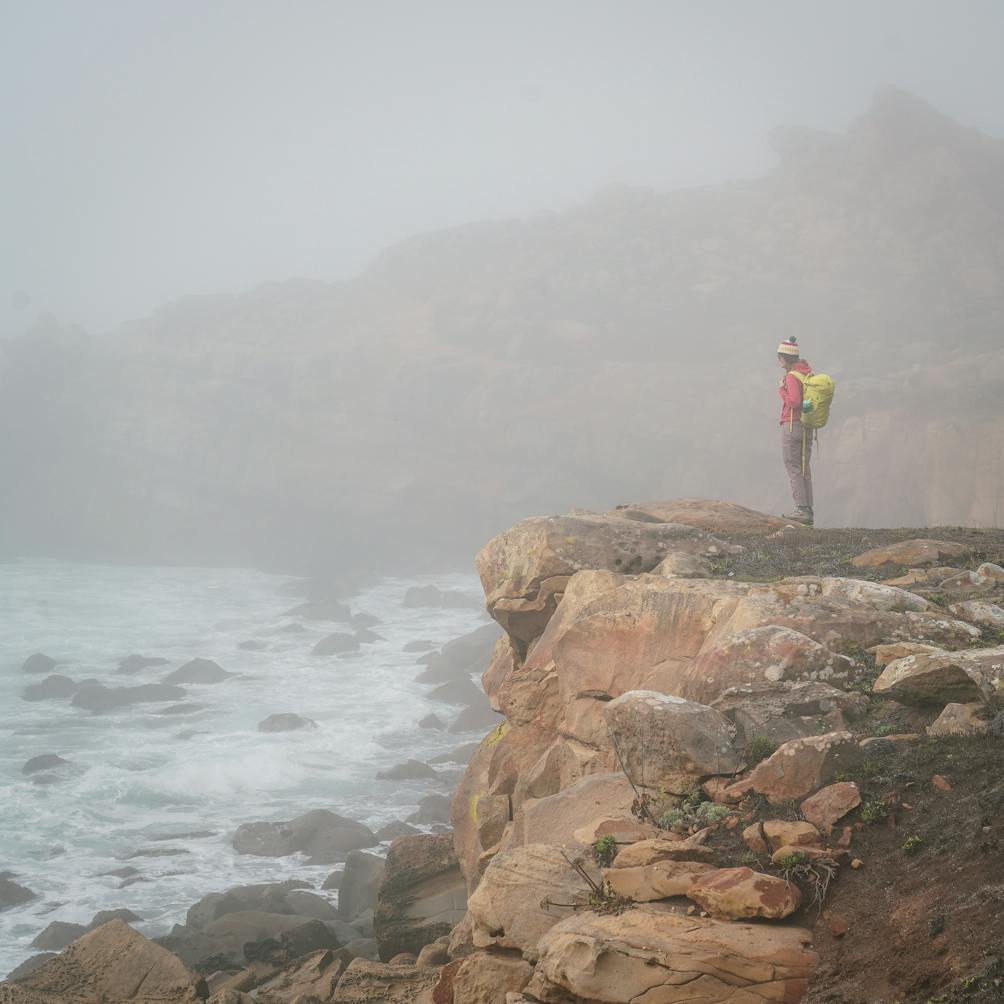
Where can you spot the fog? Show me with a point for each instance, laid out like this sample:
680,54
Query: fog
159,149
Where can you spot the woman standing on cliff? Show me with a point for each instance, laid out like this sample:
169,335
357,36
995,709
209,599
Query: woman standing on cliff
796,441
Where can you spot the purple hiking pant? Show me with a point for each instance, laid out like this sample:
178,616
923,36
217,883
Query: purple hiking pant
791,450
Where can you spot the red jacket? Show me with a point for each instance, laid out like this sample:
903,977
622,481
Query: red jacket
791,393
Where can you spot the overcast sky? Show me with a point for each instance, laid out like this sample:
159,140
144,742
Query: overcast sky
154,148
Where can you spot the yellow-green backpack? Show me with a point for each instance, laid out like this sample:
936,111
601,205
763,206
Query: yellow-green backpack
817,396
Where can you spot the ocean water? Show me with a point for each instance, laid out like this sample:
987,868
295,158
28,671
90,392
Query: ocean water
164,792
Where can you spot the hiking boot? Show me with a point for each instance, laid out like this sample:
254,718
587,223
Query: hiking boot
802,514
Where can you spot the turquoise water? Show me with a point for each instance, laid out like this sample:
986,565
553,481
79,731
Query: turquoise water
140,780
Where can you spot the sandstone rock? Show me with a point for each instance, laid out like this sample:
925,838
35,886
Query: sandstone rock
338,643
323,836
961,719
665,740
884,654
311,978
807,853
953,677
648,954
741,893
39,663
52,688
411,770
554,820
989,572
923,576
654,850
360,883
486,979
830,804
525,569
645,883
199,671
910,553
285,722
623,831
501,665
267,897
398,829
765,837
365,982
421,896
681,565
12,894
800,767
111,965
987,615
510,907
779,712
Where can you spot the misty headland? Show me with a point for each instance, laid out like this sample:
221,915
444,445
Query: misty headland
255,705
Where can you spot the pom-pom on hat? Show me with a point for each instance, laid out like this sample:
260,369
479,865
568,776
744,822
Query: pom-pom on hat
788,348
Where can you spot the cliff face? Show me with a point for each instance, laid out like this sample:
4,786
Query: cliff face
704,707
475,375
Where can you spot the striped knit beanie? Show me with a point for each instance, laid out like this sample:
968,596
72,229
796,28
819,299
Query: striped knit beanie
789,348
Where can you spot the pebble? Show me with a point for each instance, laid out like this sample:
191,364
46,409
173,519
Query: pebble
857,863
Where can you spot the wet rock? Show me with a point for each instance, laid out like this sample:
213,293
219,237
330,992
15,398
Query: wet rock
432,809
418,646
463,692
446,599
12,894
431,722
253,646
323,836
286,722
475,719
134,663
47,761
411,770
265,897
461,657
52,688
39,663
336,644
666,741
199,671
58,935
304,903
741,893
360,883
99,698
322,610
104,916
111,965
391,831
460,754
422,894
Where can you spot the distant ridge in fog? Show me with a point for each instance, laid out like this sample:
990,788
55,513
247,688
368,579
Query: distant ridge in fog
619,350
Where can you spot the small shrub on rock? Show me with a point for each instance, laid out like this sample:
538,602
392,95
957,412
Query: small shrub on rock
605,850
